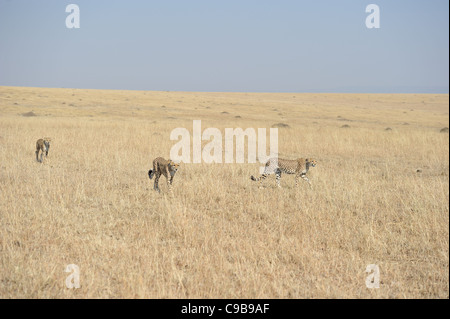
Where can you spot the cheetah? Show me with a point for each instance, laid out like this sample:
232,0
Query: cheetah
299,167
163,167
42,145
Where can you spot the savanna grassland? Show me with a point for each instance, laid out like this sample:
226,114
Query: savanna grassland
380,196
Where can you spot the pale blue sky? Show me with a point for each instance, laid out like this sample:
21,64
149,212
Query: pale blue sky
227,45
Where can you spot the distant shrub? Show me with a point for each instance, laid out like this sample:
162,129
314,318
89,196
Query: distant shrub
281,125
28,114
444,130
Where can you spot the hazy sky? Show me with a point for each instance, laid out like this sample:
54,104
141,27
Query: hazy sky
227,45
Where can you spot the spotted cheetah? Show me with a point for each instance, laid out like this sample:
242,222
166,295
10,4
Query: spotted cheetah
42,145
163,167
299,167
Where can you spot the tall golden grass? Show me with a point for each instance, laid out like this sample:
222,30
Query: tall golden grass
380,197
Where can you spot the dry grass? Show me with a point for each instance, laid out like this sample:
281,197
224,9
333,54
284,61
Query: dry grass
380,197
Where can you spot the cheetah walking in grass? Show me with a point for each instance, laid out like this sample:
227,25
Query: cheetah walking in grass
168,168
276,166
42,145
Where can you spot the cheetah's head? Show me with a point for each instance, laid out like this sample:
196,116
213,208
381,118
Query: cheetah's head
173,166
312,162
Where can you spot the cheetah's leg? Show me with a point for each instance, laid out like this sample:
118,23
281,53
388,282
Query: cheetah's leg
155,186
168,179
278,177
42,155
303,176
169,186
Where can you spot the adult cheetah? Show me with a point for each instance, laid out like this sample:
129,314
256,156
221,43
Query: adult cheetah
163,167
276,166
42,145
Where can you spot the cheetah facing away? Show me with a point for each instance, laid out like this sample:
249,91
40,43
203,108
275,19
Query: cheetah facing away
276,166
163,167
42,145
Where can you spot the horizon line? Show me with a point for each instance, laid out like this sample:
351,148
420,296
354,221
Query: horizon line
200,91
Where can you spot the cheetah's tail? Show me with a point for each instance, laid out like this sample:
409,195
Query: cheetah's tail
253,178
151,173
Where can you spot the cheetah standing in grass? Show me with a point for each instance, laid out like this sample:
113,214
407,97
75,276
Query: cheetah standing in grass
42,145
299,167
163,167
